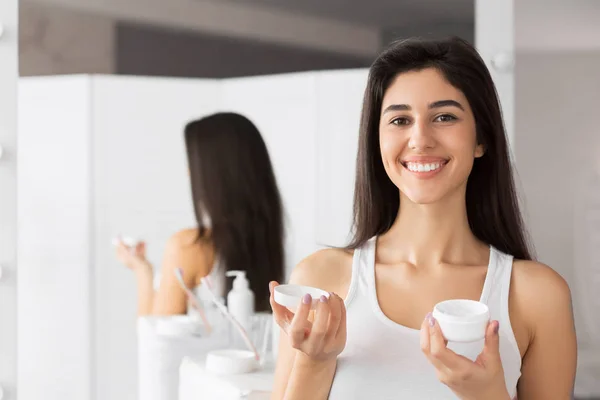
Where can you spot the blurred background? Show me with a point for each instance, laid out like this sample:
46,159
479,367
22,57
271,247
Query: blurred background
223,38
107,86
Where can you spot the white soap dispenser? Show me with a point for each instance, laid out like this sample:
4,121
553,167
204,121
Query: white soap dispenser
240,303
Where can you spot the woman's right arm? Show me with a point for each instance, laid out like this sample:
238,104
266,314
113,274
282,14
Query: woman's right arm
311,341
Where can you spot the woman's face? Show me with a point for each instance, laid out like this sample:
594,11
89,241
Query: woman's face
427,136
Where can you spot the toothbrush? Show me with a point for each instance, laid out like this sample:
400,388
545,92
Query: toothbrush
265,343
232,319
192,298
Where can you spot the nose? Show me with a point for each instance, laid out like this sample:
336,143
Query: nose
421,137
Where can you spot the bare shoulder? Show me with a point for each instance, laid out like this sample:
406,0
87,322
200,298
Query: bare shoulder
539,283
539,292
328,269
190,253
183,238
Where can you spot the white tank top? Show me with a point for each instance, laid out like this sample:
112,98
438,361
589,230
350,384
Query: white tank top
383,360
218,282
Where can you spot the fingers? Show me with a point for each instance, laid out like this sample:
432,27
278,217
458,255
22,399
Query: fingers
320,326
272,286
342,330
297,329
140,249
439,354
424,335
123,252
282,315
491,349
336,304
426,338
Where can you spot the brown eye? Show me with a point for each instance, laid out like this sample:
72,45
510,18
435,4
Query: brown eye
445,118
401,121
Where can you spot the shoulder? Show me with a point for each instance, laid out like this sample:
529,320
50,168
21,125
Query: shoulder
539,282
328,269
184,248
183,237
540,293
187,240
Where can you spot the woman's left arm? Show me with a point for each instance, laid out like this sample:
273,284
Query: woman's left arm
169,298
549,364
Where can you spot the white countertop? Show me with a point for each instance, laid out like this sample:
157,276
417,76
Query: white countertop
195,382
172,367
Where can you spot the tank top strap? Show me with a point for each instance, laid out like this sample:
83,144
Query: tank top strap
492,276
497,285
498,297
362,259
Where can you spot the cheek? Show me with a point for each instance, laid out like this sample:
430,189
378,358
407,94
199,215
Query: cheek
389,149
390,144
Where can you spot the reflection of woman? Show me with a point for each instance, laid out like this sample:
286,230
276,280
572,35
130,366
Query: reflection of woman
436,218
239,214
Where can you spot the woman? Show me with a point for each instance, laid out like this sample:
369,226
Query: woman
239,214
436,218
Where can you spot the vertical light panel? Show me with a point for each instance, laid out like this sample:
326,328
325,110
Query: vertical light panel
495,40
8,198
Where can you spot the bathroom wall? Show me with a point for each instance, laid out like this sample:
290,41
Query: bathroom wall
558,163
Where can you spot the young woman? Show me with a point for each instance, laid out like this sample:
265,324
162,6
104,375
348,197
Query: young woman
239,214
436,218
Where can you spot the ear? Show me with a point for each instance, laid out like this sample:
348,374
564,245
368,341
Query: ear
479,151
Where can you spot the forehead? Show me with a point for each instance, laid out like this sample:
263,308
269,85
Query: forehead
420,88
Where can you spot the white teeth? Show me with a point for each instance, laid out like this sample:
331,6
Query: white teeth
418,167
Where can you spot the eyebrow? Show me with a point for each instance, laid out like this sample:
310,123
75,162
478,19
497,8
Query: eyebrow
435,104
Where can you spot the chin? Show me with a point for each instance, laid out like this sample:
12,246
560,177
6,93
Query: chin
423,199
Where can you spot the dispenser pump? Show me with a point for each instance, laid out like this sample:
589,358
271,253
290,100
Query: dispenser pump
240,282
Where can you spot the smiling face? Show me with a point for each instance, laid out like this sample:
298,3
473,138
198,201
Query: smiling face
427,136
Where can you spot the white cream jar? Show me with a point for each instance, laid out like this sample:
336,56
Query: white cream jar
462,320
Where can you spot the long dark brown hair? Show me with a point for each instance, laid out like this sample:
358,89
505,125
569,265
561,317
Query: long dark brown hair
491,198
233,183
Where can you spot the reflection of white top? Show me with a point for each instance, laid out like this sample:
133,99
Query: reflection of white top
217,280
383,360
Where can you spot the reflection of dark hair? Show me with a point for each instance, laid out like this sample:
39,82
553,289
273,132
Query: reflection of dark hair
491,200
233,182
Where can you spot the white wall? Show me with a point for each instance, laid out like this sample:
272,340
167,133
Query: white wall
557,25
337,145
54,250
558,147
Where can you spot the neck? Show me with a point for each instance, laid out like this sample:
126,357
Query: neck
434,234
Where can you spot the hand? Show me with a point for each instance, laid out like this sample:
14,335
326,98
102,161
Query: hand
133,257
482,379
325,337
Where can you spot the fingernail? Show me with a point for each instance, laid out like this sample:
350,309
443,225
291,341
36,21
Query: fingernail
306,299
496,327
323,299
430,319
